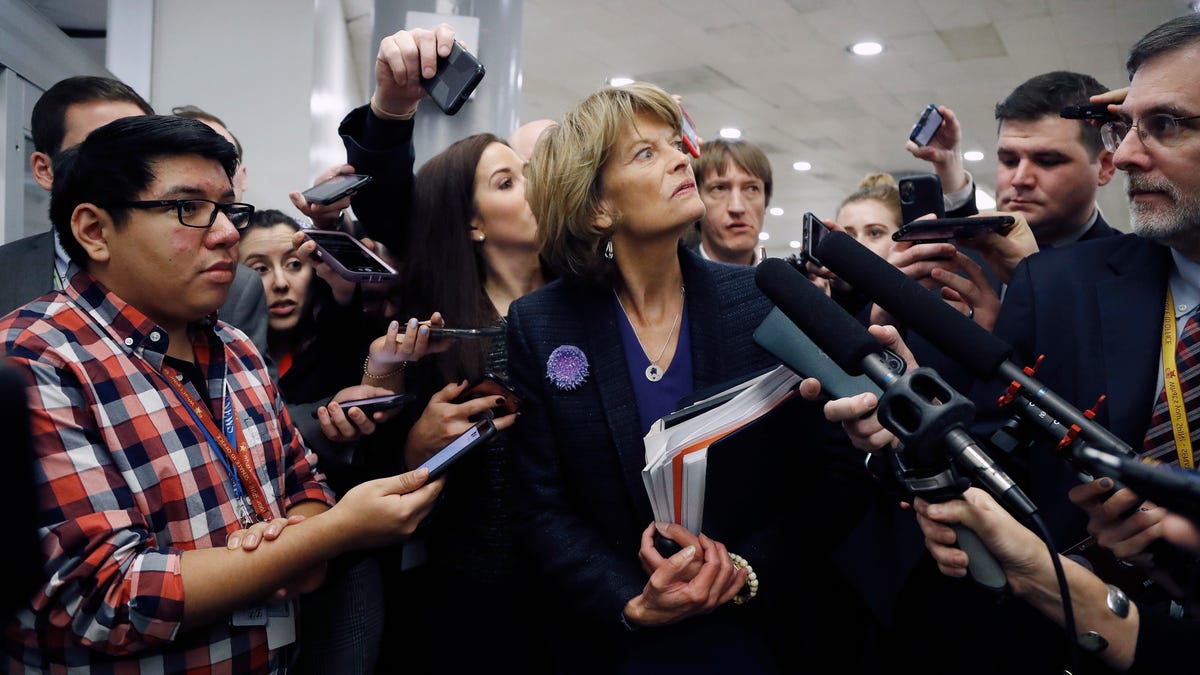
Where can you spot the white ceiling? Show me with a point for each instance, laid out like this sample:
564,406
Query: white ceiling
779,70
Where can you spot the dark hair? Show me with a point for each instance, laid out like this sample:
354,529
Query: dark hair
197,113
1177,33
1046,95
715,154
49,120
115,164
444,269
319,295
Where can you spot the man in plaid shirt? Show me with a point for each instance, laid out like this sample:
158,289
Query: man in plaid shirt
180,511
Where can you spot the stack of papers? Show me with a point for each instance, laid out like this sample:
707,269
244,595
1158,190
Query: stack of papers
677,451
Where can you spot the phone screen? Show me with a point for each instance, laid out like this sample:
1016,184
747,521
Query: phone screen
927,126
349,253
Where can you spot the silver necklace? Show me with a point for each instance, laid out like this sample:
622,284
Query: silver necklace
653,372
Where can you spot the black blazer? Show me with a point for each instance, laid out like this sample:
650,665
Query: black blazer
579,453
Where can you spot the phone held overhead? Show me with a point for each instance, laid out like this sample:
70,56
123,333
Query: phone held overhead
349,257
691,138
456,78
928,125
1091,111
335,189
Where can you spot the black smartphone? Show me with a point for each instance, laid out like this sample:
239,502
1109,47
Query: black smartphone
948,229
928,124
376,403
691,139
921,195
469,440
1091,111
812,231
492,385
490,331
349,257
457,76
337,188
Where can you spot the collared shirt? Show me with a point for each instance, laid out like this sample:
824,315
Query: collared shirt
1184,282
704,254
128,483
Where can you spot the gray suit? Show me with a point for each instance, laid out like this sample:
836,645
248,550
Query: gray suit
26,272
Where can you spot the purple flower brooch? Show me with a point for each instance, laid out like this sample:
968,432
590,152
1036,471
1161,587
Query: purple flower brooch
567,367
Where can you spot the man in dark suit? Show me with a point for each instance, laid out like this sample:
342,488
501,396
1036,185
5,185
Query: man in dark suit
734,180
1048,168
1096,311
62,117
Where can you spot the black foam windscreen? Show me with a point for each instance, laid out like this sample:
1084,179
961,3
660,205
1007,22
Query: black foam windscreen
828,325
917,307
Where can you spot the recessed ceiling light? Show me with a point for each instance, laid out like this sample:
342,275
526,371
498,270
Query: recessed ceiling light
776,211
731,132
620,80
983,200
794,244
866,48
802,166
972,155
763,236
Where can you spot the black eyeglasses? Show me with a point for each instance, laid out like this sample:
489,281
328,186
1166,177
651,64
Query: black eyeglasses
201,213
1163,128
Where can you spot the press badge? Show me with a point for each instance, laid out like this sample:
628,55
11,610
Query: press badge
279,619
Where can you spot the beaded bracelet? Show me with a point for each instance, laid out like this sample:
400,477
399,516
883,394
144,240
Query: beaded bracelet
372,376
750,589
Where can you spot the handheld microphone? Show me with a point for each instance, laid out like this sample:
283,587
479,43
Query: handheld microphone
915,420
970,345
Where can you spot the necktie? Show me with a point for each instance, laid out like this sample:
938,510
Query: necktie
1159,444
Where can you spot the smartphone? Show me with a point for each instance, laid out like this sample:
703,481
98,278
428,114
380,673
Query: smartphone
691,139
490,331
457,76
470,439
492,385
1091,111
349,257
921,195
812,231
335,189
947,229
926,126
376,403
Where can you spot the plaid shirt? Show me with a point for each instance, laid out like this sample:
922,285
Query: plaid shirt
128,482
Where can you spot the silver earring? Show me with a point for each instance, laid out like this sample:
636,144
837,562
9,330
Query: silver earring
608,251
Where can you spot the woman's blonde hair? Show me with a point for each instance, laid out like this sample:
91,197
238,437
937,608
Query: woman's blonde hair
564,173
879,187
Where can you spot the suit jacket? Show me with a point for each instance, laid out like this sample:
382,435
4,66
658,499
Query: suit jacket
579,453
382,149
27,267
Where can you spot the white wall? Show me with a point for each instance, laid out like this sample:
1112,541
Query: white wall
251,64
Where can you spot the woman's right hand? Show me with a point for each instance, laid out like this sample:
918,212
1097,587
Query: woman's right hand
443,420
677,588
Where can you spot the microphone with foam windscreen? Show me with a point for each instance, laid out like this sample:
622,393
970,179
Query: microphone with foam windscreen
967,343
921,410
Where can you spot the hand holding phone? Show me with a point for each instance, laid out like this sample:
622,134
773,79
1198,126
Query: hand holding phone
492,385
921,195
477,435
456,78
349,257
928,125
948,229
335,189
